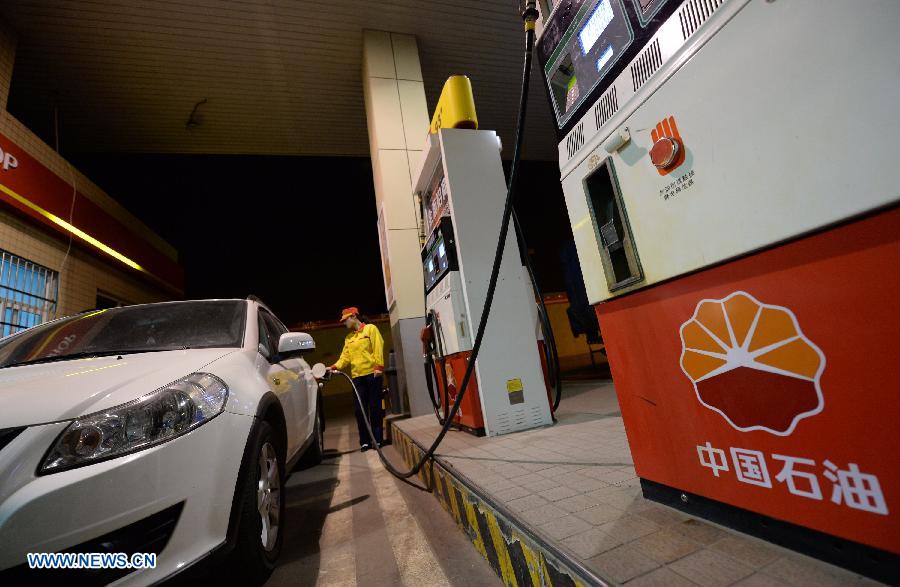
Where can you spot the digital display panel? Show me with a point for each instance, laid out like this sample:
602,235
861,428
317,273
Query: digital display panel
595,25
587,44
604,58
442,255
429,273
439,255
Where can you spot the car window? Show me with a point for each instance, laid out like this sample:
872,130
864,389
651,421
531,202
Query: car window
130,329
274,328
274,324
265,337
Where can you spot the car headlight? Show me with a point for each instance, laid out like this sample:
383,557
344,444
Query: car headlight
159,416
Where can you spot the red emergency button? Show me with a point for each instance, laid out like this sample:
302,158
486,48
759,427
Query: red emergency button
664,152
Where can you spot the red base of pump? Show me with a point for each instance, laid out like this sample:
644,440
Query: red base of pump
469,417
770,382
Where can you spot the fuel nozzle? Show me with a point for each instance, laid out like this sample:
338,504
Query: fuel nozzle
321,372
530,13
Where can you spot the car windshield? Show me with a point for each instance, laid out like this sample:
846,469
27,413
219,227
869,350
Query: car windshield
131,329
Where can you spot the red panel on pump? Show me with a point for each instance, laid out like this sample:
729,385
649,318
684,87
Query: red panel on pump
469,415
771,382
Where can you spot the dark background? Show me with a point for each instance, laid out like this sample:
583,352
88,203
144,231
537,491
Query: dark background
299,232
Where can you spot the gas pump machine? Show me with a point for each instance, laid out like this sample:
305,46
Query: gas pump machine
462,187
730,173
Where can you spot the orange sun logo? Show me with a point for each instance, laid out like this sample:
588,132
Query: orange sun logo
751,363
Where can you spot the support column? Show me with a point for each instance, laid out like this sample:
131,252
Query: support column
398,122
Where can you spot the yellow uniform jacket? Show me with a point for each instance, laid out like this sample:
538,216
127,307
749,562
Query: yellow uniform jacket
363,351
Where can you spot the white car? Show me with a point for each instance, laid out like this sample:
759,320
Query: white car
161,428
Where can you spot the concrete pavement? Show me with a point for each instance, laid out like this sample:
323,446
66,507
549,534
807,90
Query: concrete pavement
349,522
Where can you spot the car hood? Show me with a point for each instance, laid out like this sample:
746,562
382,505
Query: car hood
63,390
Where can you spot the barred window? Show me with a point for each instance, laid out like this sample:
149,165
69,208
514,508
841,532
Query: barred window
28,293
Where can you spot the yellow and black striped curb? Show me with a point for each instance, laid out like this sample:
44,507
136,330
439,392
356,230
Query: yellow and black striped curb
518,557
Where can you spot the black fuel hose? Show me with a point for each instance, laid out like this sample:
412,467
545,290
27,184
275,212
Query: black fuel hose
431,379
442,364
529,15
434,356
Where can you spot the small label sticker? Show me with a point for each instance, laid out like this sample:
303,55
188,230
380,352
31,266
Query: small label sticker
516,391
678,186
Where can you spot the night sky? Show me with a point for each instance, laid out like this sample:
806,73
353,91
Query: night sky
299,232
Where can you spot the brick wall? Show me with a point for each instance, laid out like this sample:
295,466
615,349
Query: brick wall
82,273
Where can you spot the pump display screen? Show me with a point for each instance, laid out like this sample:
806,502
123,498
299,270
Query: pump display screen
590,36
442,255
439,254
605,58
596,24
587,44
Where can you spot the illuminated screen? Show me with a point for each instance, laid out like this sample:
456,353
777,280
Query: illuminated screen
596,24
604,58
442,255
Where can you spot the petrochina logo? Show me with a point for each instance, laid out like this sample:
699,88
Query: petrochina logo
751,363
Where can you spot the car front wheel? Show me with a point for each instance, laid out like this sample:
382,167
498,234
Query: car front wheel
262,510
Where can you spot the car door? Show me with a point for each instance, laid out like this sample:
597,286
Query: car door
308,392
292,376
281,380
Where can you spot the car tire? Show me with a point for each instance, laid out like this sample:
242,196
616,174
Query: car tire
260,527
316,450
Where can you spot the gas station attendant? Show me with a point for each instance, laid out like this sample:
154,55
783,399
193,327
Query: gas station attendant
364,353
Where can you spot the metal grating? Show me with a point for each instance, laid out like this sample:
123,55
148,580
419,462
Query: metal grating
28,294
503,424
606,107
575,140
646,65
695,13
536,415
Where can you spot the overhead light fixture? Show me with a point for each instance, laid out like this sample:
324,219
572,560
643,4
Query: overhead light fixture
196,118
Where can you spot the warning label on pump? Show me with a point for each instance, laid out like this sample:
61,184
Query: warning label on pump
675,188
516,391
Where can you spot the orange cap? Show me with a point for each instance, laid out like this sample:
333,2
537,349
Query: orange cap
347,312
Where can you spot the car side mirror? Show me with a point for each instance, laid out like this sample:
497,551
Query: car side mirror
295,342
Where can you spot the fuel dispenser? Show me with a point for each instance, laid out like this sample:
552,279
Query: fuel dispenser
729,169
462,187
